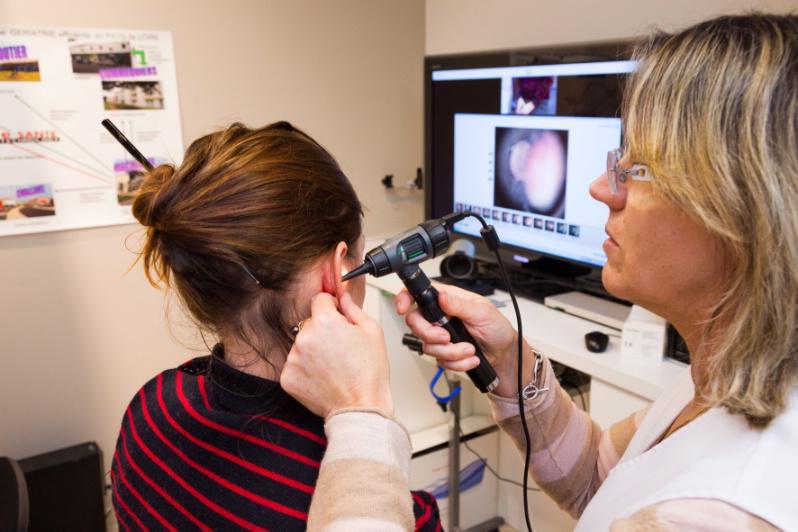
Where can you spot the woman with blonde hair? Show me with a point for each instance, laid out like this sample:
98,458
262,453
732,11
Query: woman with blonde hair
703,230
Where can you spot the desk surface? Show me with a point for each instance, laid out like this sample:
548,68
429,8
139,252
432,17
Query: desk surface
561,337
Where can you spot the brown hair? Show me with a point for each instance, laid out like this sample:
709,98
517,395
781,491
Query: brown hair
712,111
231,227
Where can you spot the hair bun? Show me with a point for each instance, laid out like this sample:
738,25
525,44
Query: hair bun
149,205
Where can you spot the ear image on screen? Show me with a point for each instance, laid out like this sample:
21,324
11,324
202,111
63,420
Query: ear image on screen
534,95
531,166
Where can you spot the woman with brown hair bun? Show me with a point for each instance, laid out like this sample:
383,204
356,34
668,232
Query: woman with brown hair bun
247,230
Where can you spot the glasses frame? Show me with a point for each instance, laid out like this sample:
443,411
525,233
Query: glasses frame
616,174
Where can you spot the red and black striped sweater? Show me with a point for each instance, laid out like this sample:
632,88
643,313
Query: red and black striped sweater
208,447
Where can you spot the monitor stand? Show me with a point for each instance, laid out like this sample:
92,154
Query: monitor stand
481,286
545,277
549,267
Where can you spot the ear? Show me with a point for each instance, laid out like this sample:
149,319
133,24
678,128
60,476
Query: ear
331,281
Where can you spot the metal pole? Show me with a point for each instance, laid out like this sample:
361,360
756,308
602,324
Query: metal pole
454,462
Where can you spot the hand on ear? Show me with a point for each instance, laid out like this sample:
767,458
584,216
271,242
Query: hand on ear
339,360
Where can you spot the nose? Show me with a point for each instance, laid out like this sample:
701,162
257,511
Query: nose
600,190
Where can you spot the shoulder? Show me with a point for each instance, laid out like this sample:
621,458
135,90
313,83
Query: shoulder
692,514
720,457
158,394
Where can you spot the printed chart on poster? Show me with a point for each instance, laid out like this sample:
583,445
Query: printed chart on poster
59,168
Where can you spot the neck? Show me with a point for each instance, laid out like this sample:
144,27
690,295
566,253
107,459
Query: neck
243,357
696,336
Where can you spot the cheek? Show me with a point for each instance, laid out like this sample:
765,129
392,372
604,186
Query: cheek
357,289
667,261
647,252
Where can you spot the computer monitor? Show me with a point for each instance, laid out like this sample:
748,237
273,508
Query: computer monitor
520,145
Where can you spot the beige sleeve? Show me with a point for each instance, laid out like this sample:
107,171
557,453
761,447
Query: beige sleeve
571,455
363,482
705,515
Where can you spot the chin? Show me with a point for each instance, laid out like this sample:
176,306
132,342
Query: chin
613,283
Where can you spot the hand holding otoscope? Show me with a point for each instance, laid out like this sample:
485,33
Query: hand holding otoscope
402,254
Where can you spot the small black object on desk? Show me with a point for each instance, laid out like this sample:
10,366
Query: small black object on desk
596,341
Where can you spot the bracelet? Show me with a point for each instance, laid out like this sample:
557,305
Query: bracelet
532,390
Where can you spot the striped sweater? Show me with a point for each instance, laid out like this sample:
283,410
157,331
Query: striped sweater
208,447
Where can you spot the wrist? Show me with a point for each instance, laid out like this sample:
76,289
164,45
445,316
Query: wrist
360,410
508,374
377,402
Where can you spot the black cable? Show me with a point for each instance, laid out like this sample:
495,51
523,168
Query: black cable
489,468
482,458
581,396
492,241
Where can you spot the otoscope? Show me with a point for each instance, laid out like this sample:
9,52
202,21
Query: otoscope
402,254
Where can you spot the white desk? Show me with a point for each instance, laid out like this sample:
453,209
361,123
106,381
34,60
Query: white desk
619,386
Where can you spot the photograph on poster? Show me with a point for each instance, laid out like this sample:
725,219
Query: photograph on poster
26,201
25,70
128,184
91,57
530,168
130,176
16,65
124,95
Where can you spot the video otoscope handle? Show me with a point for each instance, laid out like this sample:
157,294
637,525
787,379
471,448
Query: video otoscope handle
426,296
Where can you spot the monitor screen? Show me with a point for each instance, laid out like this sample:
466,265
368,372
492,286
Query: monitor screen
520,145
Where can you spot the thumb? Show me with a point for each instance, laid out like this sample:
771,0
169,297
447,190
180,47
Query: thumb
350,309
456,304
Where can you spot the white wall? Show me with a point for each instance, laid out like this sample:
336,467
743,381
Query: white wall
79,336
457,26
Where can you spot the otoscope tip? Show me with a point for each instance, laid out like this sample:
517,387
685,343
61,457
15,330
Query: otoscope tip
366,267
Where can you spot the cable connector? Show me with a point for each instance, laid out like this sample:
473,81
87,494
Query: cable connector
450,219
490,237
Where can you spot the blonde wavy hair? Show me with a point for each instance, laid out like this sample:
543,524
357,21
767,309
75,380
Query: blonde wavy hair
713,111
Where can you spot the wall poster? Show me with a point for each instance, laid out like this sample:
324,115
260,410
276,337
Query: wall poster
59,168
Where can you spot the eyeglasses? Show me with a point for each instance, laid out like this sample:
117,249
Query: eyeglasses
616,174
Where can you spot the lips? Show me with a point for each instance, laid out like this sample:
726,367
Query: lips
609,234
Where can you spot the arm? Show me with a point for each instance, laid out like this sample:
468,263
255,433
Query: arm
363,478
338,368
571,455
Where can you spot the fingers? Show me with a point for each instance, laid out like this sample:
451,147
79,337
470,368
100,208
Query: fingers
460,365
450,352
403,302
322,303
456,302
426,331
350,309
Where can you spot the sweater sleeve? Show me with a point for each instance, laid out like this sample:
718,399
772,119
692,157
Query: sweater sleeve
363,480
571,455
